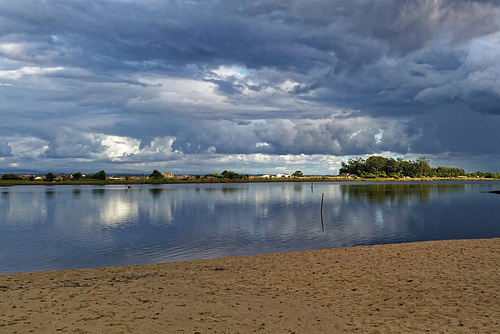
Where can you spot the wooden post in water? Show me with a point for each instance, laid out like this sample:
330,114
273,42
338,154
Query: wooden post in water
322,225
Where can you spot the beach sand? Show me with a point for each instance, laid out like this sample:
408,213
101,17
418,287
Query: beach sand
428,287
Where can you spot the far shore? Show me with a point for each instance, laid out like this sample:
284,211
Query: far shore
423,287
6,183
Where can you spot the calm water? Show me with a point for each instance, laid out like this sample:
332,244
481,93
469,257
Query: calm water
66,227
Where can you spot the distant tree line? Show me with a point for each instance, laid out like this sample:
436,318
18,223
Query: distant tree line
230,175
372,167
380,167
227,174
51,177
12,177
101,176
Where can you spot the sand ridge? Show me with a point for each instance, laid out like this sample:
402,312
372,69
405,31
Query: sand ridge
427,287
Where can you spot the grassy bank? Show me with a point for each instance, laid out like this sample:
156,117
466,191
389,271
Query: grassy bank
6,183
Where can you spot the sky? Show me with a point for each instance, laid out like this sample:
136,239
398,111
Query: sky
264,86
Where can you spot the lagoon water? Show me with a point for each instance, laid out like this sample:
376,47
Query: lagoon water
68,227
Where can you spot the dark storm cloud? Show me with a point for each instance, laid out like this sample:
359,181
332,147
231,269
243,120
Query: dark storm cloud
113,79
294,35
4,148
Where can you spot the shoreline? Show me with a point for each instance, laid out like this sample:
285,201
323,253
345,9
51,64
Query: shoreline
319,179
433,286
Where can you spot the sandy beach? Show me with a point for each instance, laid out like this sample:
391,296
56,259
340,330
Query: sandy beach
428,287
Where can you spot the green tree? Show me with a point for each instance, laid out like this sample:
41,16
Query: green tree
376,164
50,177
423,167
354,166
298,174
77,176
450,172
11,177
392,168
156,175
408,168
232,175
101,176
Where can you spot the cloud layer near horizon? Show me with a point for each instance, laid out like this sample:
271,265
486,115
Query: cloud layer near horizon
247,85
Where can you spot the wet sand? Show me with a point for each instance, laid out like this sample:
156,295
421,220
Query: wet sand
428,287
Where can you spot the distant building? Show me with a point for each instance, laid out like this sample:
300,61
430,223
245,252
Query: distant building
66,177
116,177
